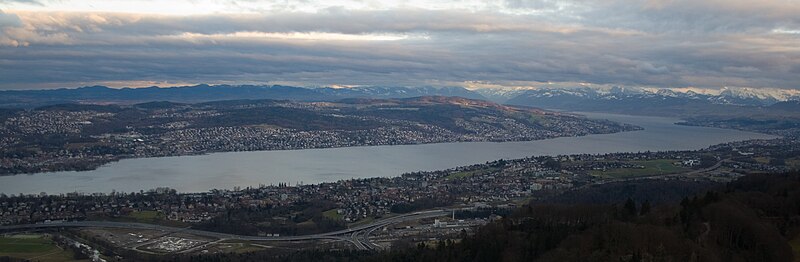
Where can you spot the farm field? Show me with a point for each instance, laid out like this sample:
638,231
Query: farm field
465,174
651,167
794,163
34,248
145,216
795,243
332,214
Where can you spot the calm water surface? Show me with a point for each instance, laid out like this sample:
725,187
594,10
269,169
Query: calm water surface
226,170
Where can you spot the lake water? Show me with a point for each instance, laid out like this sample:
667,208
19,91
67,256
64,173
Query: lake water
227,170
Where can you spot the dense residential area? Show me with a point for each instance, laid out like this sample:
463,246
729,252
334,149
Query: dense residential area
83,137
399,131
419,215
478,197
502,182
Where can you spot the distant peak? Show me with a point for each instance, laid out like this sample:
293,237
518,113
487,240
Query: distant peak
96,87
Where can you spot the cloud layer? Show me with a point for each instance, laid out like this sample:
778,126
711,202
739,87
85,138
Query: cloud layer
678,43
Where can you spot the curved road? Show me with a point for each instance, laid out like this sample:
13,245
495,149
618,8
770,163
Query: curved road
358,236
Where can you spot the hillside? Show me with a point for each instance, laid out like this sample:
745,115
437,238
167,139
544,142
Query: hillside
736,110
725,96
662,103
793,106
84,136
204,93
754,218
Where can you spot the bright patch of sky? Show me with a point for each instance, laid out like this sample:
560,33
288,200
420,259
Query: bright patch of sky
199,7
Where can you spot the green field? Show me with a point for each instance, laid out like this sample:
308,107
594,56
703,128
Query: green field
464,174
793,163
308,223
332,214
33,247
762,160
145,216
363,221
538,119
244,248
795,244
651,167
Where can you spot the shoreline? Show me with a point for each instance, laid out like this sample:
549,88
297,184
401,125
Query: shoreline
121,158
200,173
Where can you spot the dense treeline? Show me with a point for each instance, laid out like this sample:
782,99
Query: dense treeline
6,113
441,115
656,191
300,219
420,204
751,219
300,119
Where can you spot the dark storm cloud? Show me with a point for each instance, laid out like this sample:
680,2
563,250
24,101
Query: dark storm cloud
650,43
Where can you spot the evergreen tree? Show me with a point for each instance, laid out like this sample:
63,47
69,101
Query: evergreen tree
645,207
630,207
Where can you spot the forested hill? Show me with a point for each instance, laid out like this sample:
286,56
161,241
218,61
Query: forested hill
752,219
85,136
756,218
204,93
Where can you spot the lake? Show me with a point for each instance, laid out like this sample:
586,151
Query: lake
227,170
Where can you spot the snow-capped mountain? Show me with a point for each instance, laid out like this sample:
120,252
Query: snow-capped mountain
654,101
500,95
724,96
399,92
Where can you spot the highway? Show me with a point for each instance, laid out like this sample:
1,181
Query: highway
358,235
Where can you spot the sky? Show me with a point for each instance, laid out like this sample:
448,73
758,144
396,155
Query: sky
510,43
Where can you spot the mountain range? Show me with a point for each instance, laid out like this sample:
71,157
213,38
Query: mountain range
205,93
664,102
725,96
613,99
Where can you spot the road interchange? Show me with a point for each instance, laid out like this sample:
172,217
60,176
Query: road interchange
357,235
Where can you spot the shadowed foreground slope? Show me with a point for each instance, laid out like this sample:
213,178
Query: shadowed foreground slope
751,219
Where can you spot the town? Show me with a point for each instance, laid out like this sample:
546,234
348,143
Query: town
485,189
83,137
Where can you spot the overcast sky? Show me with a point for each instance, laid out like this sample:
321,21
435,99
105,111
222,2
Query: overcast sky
677,43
